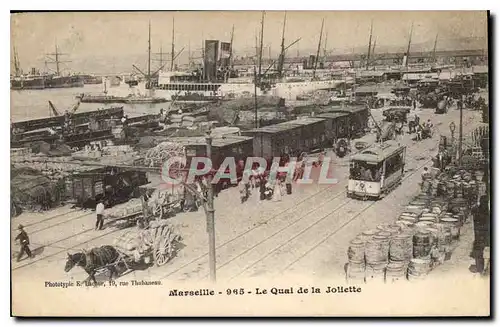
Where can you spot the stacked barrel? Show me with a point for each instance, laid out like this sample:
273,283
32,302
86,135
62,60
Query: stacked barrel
422,238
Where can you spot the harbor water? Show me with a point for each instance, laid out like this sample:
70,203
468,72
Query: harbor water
32,104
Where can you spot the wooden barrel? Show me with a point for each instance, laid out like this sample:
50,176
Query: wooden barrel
428,217
421,244
434,235
377,250
401,247
368,235
355,273
454,225
382,227
375,272
356,251
395,271
419,267
385,234
423,224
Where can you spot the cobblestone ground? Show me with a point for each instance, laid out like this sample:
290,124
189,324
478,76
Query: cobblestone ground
306,233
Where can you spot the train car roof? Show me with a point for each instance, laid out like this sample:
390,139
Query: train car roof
286,126
219,142
378,152
349,109
332,114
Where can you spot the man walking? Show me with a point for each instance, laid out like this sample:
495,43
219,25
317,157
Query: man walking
24,242
99,210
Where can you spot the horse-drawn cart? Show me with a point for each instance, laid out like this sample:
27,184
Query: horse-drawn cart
157,242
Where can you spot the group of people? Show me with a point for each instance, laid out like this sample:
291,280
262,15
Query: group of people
422,131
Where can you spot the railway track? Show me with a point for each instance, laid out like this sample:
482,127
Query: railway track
297,209
225,250
332,209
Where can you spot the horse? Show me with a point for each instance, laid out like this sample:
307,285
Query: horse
93,260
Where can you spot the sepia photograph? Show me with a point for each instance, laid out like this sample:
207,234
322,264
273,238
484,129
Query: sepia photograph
250,163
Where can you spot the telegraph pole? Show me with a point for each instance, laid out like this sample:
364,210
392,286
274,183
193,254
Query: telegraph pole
210,215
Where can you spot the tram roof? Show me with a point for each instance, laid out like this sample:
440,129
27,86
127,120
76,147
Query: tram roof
378,152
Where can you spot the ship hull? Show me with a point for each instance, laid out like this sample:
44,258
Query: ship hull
47,83
207,92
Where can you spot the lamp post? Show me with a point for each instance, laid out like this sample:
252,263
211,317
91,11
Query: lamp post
210,212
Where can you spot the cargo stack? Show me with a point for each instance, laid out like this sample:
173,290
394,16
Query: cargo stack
423,237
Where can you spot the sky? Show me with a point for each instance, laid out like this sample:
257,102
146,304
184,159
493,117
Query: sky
88,34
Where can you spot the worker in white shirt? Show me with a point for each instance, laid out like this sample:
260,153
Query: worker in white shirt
99,210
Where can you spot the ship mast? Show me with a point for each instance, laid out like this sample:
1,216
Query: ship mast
409,45
149,54
281,60
369,46
17,65
324,49
257,77
261,43
319,48
434,50
228,69
373,50
56,60
173,44
161,53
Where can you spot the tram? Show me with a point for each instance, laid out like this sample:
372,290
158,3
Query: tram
376,171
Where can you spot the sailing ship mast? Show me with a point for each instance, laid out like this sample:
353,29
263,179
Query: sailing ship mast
17,65
257,77
228,69
409,45
324,49
434,50
173,44
373,50
56,60
149,54
369,46
319,47
281,59
261,43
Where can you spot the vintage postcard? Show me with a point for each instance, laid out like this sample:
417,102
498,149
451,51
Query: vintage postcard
250,163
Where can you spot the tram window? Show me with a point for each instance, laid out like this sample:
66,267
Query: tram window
361,170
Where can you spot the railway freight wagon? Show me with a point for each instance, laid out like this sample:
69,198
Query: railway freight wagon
234,146
292,137
112,184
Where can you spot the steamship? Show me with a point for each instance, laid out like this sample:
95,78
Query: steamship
217,80
39,81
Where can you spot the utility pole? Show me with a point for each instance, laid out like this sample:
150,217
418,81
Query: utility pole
211,215
319,48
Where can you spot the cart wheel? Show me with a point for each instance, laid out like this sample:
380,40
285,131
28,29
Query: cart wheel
161,257
163,250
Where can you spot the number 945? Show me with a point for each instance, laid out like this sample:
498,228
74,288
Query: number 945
235,291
